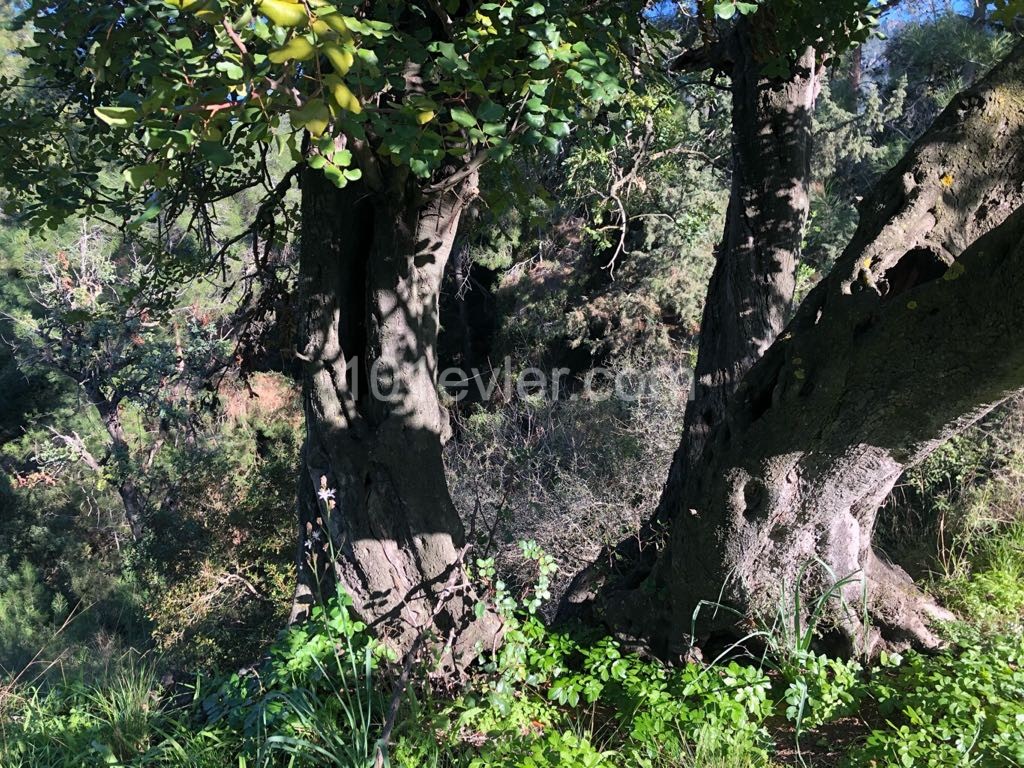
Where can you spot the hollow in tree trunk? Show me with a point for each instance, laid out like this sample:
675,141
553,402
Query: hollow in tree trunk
375,512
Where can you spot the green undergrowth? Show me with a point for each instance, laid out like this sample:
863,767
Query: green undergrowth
321,697
964,707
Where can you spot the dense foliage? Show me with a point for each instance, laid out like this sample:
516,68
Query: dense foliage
169,648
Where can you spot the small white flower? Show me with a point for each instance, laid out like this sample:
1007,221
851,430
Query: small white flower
326,494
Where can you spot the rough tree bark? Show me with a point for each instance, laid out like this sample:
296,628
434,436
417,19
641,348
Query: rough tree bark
856,77
911,338
750,294
371,264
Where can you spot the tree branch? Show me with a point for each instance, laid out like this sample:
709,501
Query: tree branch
235,38
450,182
443,17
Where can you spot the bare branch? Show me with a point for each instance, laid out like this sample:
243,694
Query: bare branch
235,38
75,443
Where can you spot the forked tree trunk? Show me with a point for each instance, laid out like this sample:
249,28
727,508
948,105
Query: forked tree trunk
375,511
913,336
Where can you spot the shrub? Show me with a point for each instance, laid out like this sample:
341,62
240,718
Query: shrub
962,707
572,475
25,617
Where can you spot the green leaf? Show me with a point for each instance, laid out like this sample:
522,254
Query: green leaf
151,212
419,167
463,118
533,137
119,117
534,120
559,130
313,116
138,175
725,10
215,154
574,76
231,70
541,62
490,112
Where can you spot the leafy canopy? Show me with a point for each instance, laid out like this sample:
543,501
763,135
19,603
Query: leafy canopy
186,98
785,27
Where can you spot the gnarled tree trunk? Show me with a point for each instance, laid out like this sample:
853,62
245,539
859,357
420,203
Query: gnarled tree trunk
911,338
751,290
375,511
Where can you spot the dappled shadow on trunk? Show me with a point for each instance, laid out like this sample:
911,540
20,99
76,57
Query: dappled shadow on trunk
750,294
375,513
886,359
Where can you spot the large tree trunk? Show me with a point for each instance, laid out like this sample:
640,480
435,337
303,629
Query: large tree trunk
912,337
856,77
375,511
979,14
750,295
